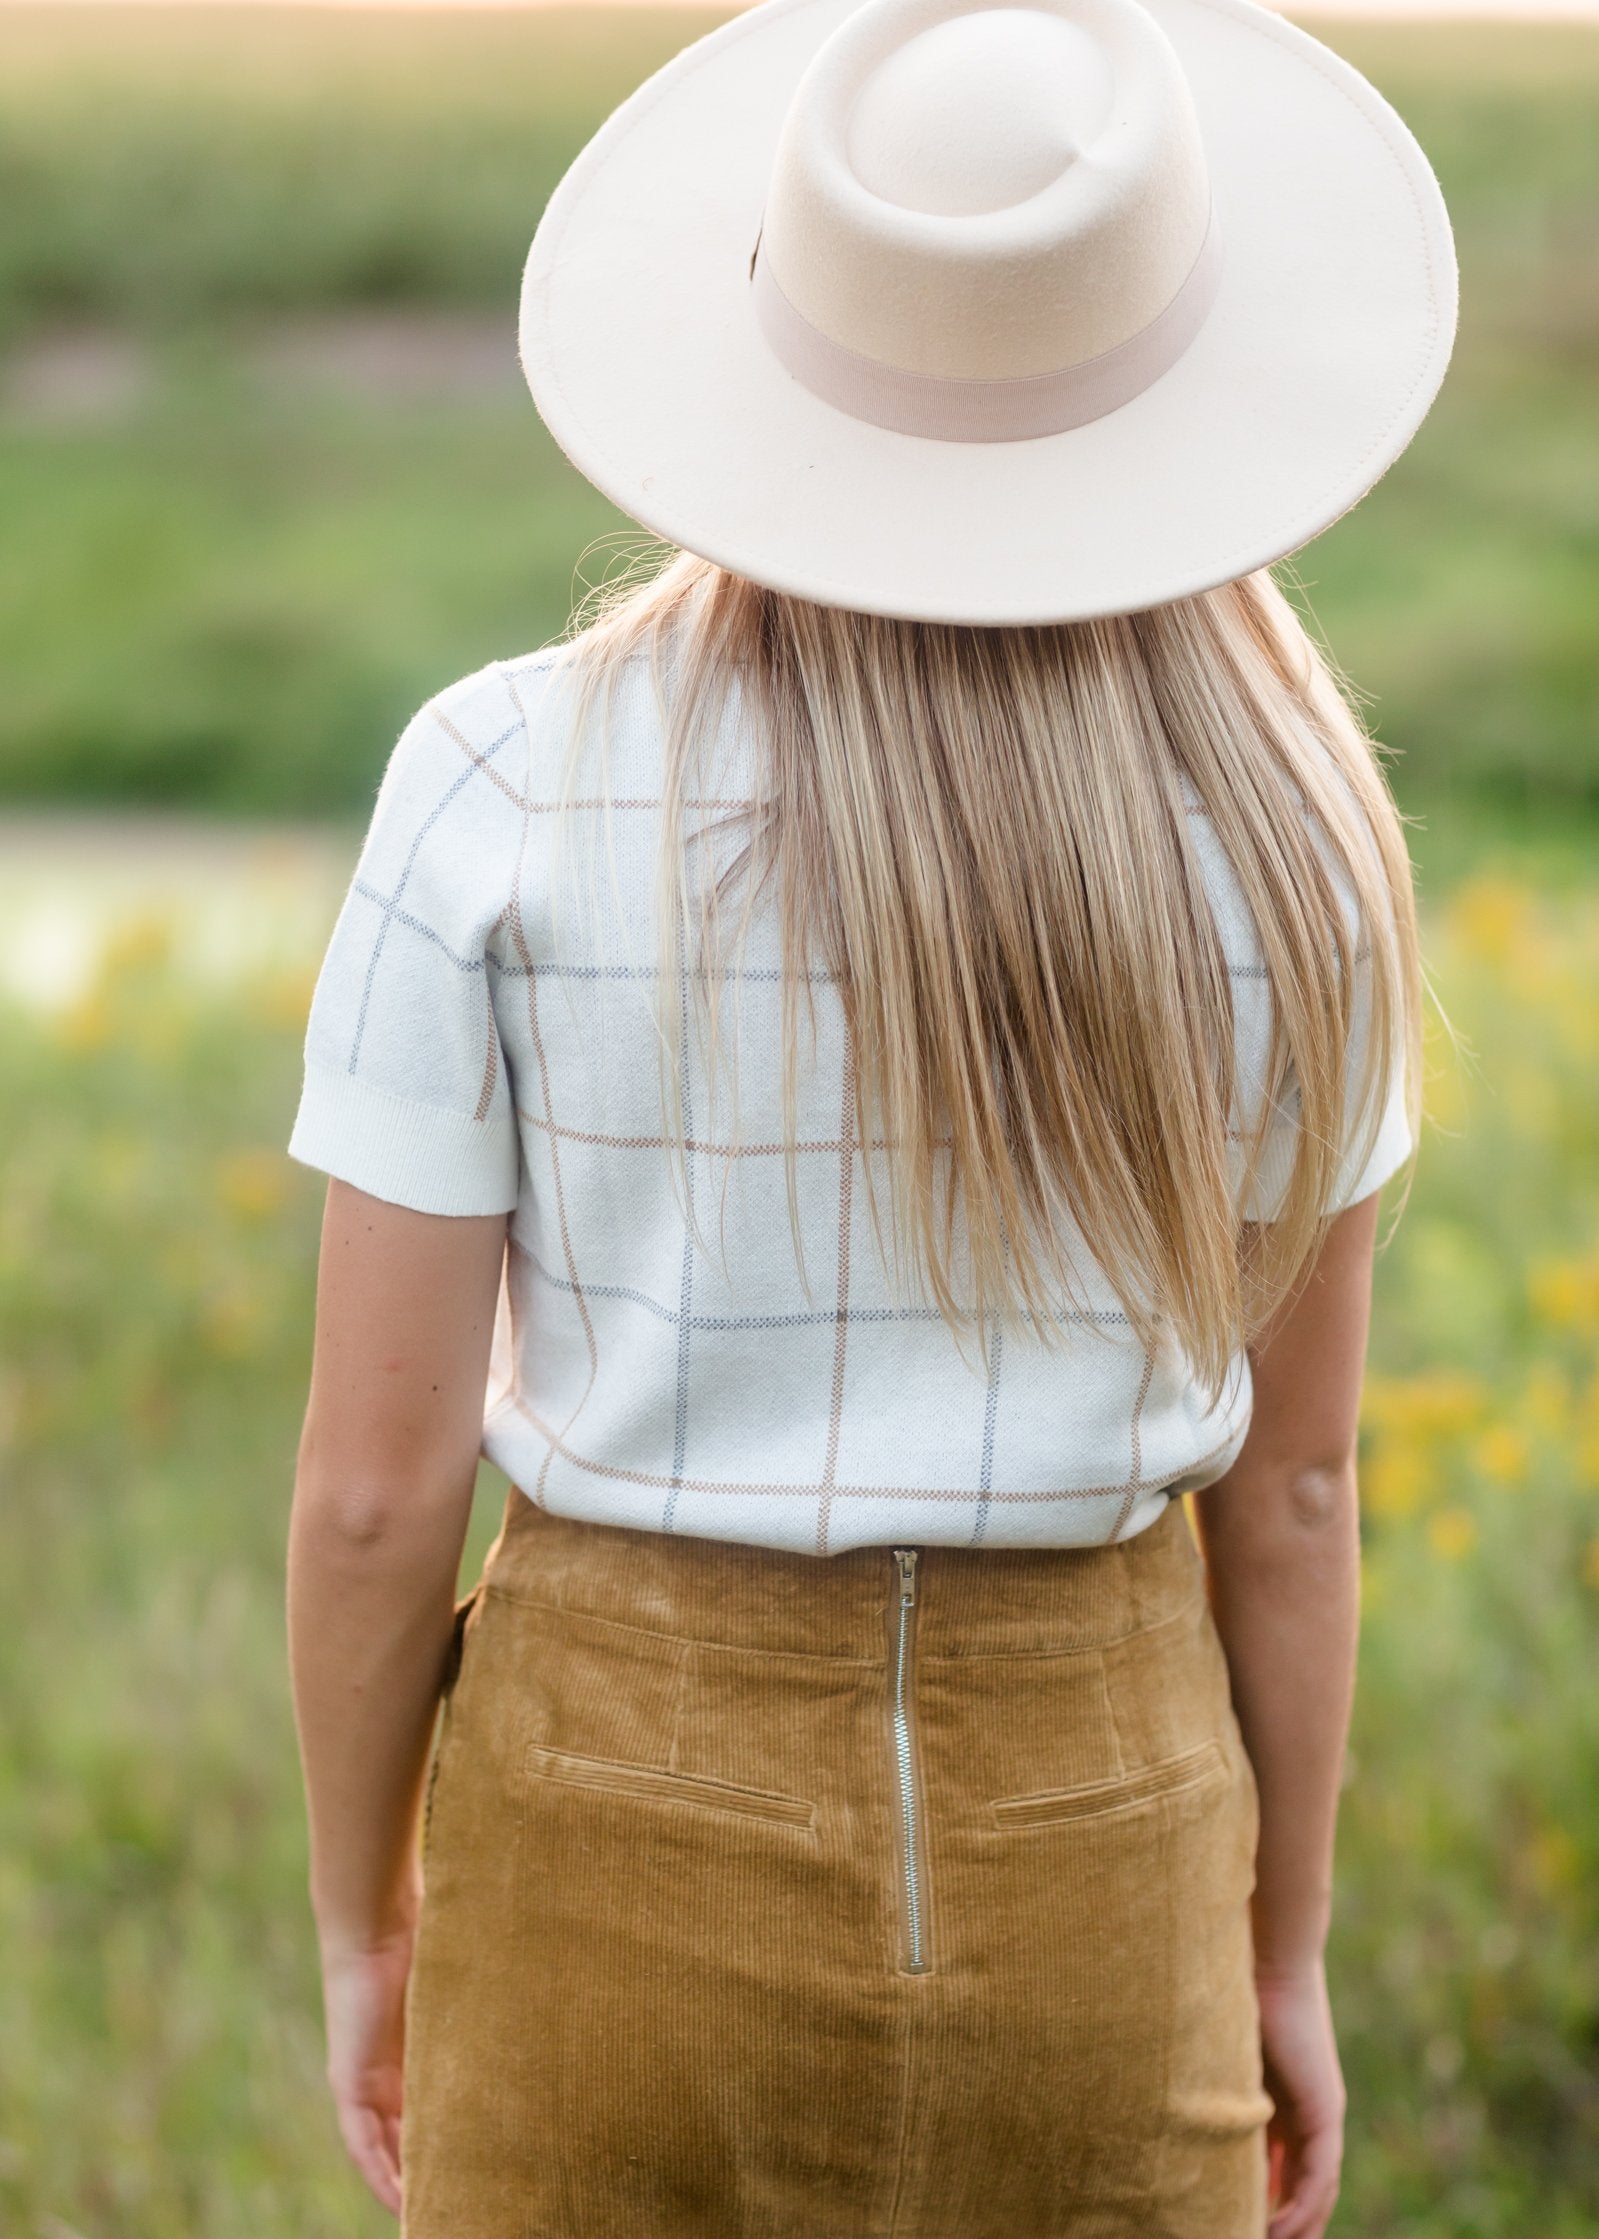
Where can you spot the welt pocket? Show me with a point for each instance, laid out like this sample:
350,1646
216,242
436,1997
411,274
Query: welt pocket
1191,1768
653,1784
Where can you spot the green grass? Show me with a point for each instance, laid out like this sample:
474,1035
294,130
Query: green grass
159,2032
180,166
234,593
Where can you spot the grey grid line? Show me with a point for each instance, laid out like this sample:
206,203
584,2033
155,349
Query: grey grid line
464,778
985,1481
1028,1496
519,935
686,1295
418,925
811,1318
755,975
758,975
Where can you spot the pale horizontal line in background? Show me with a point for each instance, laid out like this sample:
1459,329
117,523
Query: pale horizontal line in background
1504,11
229,900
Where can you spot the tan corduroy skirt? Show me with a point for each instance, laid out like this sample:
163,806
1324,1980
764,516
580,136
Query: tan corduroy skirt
886,1895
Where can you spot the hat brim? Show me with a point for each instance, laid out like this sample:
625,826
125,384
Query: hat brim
1327,341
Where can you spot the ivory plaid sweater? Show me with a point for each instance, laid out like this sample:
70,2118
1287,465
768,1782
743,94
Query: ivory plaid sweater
472,1048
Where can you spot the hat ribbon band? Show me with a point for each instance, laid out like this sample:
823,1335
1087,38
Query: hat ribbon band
1004,411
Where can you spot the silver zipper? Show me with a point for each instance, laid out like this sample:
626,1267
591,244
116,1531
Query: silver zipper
910,1808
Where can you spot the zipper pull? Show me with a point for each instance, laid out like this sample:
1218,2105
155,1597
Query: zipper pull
905,1557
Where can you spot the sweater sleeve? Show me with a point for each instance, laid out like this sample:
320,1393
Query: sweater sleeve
1374,1143
406,1092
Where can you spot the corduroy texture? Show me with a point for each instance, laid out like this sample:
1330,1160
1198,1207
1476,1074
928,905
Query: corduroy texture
661,1983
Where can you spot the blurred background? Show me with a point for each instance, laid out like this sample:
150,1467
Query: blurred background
268,478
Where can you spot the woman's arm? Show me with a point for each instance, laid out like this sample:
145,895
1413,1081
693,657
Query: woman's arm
1280,1534
383,1490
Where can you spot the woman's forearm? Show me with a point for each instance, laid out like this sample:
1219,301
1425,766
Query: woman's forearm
371,1594
383,1492
1283,1557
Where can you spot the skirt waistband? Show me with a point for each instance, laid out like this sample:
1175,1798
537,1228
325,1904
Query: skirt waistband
972,1601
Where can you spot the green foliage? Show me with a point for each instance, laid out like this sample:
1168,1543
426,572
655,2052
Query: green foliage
232,589
236,603
1465,1946
160,2051
179,167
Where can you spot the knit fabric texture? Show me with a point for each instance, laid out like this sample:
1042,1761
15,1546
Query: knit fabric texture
483,1039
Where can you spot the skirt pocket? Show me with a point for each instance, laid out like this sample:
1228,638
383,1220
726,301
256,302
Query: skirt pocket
1190,1768
654,1784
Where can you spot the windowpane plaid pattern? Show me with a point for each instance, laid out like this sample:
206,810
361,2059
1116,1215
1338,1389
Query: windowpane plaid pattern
482,1040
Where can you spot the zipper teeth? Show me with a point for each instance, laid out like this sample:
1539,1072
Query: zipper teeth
907,1774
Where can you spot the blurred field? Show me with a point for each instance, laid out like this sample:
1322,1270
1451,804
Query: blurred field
159,2051
253,517
270,478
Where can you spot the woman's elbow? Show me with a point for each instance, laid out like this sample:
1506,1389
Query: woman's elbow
1283,1511
1320,1496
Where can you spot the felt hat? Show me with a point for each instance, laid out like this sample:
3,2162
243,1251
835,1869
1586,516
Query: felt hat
992,313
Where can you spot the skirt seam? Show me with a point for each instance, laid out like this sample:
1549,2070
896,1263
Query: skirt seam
688,1640
866,1663
1085,1648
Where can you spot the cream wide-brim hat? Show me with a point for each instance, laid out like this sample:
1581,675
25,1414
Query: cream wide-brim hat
992,314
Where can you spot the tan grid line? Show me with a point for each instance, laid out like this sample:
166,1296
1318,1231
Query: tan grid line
491,1055
832,1145
846,1197
1135,1483
654,1480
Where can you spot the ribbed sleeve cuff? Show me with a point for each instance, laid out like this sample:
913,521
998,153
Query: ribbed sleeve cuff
421,1155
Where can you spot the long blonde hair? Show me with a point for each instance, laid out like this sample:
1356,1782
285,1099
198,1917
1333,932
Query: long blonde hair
983,835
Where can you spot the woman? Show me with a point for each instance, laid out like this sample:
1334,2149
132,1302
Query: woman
857,1079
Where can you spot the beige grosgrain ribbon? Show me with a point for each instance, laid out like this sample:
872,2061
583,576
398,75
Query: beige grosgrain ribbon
961,411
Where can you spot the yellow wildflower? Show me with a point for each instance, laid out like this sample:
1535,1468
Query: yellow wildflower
1489,917
85,1024
1397,1479
1501,1454
1565,1291
1547,1401
1440,1404
283,999
230,1323
251,1183
1555,1858
136,944
1452,1533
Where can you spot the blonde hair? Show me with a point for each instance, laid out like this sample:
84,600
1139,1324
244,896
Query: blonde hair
984,835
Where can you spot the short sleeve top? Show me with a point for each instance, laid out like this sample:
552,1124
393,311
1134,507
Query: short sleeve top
472,1049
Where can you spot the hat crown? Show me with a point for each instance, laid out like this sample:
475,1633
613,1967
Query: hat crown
979,112
987,193
709,280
